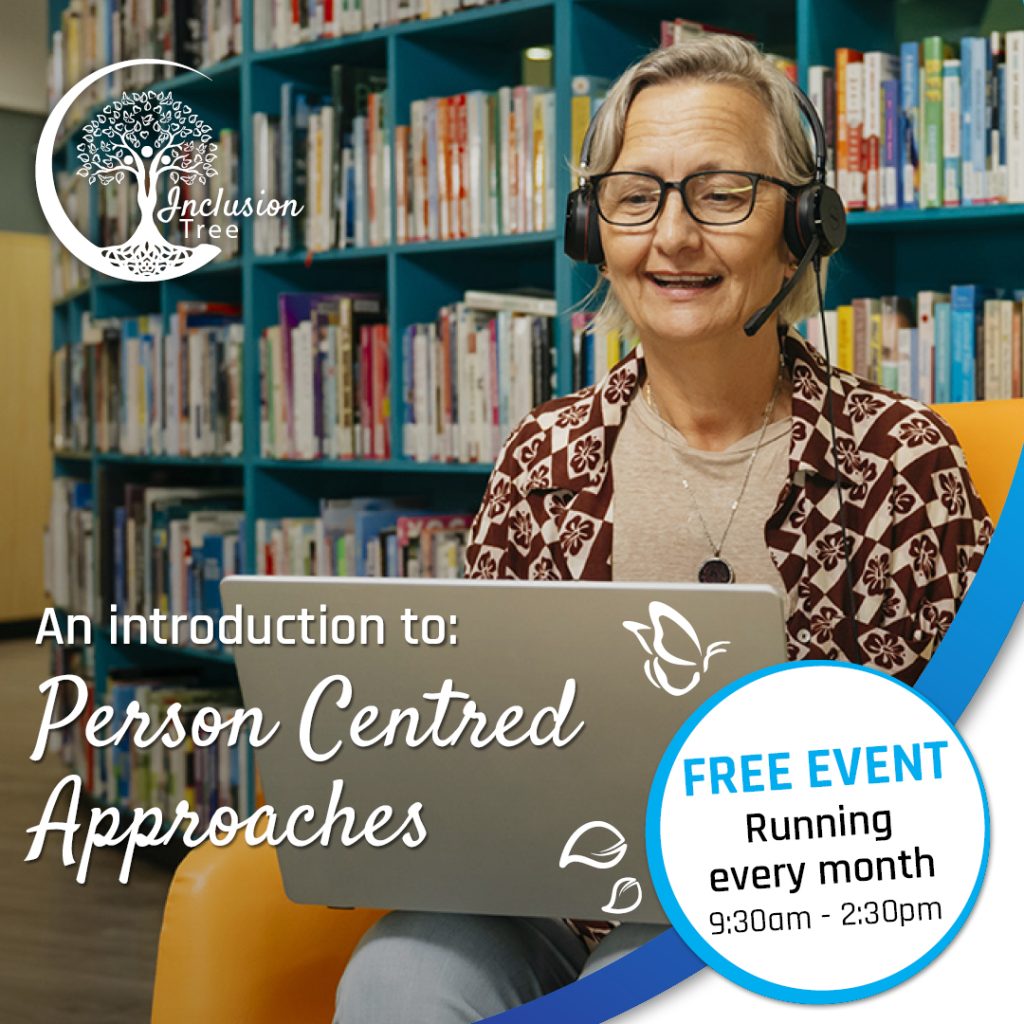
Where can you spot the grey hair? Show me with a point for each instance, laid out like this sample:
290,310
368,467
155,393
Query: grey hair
714,58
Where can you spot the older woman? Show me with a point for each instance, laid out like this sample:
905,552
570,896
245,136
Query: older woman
706,454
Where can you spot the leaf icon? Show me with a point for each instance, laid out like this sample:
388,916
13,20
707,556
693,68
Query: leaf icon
595,844
626,896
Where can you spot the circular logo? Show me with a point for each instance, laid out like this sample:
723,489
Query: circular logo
817,832
144,136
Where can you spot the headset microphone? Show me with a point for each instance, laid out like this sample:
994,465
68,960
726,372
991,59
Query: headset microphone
760,318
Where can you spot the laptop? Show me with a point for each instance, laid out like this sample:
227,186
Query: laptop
517,730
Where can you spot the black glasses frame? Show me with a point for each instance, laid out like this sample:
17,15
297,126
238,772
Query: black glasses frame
680,186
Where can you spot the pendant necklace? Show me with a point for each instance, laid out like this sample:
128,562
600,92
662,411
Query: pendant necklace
716,569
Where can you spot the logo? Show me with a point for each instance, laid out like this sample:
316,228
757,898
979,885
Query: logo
600,845
683,639
156,141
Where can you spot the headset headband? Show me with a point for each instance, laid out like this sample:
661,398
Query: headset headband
805,105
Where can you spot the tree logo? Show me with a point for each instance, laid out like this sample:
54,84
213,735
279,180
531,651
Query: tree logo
143,134
147,135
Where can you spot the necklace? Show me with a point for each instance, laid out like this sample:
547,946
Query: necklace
716,569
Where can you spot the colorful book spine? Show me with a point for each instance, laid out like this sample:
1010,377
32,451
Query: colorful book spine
951,133
891,157
910,124
943,352
850,126
974,59
1015,116
933,52
967,317
878,68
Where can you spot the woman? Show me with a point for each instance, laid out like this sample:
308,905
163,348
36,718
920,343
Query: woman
705,454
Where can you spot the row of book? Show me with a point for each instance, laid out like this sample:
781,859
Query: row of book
68,275
594,352
470,165
477,163
329,154
205,777
365,537
325,378
955,346
472,374
935,125
69,399
128,776
69,546
96,33
281,23
167,392
171,546
679,30
68,743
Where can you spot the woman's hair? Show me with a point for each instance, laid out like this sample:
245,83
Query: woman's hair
710,58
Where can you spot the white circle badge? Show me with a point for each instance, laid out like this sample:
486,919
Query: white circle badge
817,832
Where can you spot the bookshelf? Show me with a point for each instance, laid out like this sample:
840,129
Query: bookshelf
888,251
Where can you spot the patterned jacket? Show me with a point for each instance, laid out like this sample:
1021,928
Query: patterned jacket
915,523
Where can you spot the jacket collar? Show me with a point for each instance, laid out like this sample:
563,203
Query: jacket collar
593,420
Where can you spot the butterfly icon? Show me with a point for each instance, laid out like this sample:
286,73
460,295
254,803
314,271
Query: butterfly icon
663,615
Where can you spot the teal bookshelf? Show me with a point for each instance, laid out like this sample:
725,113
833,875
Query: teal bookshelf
892,251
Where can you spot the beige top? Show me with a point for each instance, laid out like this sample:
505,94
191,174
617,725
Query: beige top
657,532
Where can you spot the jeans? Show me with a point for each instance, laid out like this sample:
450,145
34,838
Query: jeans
461,968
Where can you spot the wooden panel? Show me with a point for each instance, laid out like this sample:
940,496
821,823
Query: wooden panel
25,330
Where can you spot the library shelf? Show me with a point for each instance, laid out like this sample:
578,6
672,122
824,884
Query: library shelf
376,466
899,251
127,653
76,295
129,458
298,258
480,242
949,218
229,266
478,23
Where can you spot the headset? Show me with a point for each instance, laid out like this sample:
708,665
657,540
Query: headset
814,226
814,223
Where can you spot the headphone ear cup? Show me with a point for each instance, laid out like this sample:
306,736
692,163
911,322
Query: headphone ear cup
815,211
798,225
582,241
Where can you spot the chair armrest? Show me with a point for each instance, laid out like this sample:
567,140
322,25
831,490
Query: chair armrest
233,947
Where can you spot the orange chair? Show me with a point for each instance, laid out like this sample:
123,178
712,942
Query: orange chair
234,948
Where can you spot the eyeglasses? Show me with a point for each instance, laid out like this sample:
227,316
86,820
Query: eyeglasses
631,199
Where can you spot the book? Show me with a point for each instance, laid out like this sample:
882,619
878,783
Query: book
974,102
850,126
966,330
934,52
1014,133
951,156
879,68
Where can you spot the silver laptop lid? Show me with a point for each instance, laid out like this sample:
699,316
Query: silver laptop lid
538,814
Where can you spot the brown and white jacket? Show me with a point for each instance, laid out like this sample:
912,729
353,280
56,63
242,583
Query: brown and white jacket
915,524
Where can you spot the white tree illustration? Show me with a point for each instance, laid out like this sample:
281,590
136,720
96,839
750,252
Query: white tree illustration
147,134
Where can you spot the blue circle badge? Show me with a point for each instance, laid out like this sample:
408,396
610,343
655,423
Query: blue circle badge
817,832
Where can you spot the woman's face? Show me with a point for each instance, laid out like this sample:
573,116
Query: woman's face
731,271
